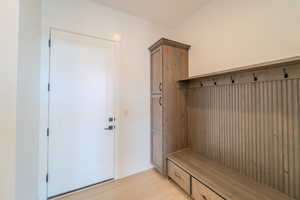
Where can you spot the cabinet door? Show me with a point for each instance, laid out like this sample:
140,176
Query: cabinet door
156,133
156,112
157,154
156,71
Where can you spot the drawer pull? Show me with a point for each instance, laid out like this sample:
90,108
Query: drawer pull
177,175
160,86
204,197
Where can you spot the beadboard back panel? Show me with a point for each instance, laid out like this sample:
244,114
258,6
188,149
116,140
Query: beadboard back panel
253,127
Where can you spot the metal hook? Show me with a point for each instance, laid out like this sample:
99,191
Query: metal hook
232,80
214,81
254,77
286,75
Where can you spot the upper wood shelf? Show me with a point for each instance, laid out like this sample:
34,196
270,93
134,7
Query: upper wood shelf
226,182
255,67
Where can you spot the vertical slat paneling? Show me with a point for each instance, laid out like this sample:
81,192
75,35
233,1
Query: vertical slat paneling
251,130
206,97
214,128
290,137
284,136
275,132
221,122
259,152
247,136
233,127
264,133
231,155
269,135
251,127
210,150
242,129
227,129
296,119
238,132
280,138
255,130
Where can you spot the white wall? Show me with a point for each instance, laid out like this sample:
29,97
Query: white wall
8,88
234,33
88,17
28,100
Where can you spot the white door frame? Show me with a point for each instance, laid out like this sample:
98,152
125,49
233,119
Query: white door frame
44,161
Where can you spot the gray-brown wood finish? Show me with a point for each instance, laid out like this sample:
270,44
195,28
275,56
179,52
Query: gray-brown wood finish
156,71
157,150
174,99
156,117
157,132
255,67
224,181
179,176
167,42
172,58
272,73
201,192
250,126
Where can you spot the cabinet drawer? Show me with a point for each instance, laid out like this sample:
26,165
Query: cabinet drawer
182,178
201,192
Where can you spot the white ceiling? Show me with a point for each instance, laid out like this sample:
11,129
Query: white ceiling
165,12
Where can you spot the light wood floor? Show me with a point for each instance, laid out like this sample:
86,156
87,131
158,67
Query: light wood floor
148,185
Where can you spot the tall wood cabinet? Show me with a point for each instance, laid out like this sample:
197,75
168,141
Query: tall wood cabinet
169,63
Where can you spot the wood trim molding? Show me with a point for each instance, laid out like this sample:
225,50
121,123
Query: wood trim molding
285,72
164,41
250,68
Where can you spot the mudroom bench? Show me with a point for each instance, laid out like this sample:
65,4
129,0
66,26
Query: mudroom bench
205,179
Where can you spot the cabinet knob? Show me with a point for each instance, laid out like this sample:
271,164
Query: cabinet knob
160,101
177,175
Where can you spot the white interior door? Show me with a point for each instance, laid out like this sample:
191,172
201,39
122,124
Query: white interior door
81,151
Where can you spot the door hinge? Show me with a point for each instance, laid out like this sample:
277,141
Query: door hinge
48,132
49,43
48,87
47,178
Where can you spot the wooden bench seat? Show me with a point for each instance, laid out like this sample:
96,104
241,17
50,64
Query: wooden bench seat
225,182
